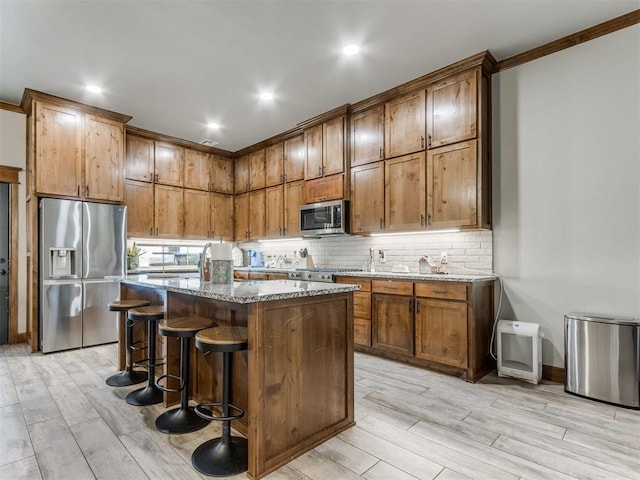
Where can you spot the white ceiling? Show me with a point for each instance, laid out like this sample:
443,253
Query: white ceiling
176,65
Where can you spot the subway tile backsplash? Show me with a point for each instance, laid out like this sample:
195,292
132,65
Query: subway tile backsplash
468,252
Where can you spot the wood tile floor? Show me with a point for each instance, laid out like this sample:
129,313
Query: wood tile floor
58,420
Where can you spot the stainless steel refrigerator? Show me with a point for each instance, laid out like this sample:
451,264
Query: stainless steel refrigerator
82,259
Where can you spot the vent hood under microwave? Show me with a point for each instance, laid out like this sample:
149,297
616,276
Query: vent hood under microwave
324,218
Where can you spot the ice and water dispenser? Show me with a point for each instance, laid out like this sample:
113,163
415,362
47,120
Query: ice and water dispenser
62,262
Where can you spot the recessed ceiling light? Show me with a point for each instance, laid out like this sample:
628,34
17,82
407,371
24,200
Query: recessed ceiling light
351,49
266,96
94,89
213,125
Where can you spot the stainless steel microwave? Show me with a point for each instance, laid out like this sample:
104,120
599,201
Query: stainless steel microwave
324,218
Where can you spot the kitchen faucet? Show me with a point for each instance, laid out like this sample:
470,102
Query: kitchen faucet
203,261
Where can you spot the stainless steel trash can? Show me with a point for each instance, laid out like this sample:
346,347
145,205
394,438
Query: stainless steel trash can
602,358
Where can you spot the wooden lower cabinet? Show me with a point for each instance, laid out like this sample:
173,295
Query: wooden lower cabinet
445,326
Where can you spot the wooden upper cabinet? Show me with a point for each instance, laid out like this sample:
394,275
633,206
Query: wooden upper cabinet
257,170
404,124
241,217
324,189
139,159
333,146
169,211
196,214
221,226
293,199
196,169
274,198
169,164
452,110
367,198
452,191
221,174
138,197
241,175
58,149
274,164
257,214
313,145
104,159
367,136
405,197
294,158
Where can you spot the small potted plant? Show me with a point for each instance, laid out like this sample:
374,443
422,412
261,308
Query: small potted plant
133,256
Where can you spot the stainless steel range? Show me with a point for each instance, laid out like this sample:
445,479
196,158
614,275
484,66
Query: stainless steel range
327,275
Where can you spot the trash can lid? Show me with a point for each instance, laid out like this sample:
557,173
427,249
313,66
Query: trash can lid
603,318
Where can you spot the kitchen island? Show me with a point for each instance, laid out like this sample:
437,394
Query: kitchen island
295,381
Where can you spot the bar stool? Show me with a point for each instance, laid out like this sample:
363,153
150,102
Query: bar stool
182,419
150,394
128,376
226,455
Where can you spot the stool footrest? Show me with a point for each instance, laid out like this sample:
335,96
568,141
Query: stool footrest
146,363
139,345
167,389
201,412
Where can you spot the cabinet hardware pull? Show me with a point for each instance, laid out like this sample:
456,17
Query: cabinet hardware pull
87,192
151,231
380,152
422,219
428,219
78,190
320,170
442,292
417,306
381,224
421,141
387,287
429,140
411,305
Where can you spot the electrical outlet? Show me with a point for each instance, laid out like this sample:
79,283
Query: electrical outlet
444,258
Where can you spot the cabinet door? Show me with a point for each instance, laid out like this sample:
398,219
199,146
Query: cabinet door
367,198
274,212
104,159
294,158
241,217
241,174
333,146
324,189
452,195
58,150
196,214
139,159
405,197
221,216
367,136
257,214
452,110
404,126
196,169
441,331
169,166
274,164
221,174
169,211
313,145
293,199
257,175
138,197
393,324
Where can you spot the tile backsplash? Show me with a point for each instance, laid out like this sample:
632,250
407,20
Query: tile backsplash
468,252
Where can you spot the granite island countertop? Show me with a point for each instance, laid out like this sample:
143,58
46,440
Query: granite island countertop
251,291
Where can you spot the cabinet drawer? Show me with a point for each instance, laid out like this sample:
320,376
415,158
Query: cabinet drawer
448,290
392,287
365,285
362,304
240,275
362,332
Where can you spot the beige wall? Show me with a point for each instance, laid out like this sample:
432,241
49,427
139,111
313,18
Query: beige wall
567,185
12,153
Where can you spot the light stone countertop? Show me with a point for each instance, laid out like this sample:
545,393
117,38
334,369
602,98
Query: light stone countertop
251,291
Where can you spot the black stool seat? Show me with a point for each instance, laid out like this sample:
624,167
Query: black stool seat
182,419
224,456
150,394
128,376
